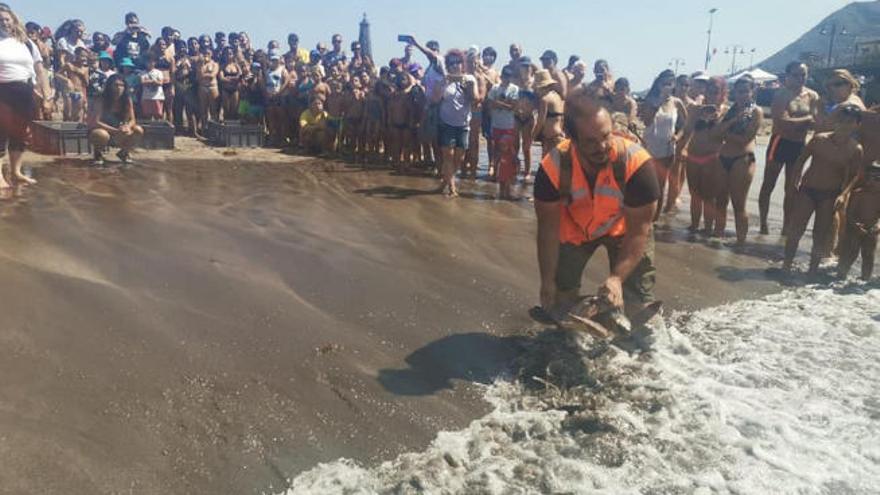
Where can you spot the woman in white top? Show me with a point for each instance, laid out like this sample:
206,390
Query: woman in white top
664,116
20,65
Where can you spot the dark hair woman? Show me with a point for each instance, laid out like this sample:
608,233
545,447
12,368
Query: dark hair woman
664,116
20,64
735,169
455,94
113,120
702,151
230,80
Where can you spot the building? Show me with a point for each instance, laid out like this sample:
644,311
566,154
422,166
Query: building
867,52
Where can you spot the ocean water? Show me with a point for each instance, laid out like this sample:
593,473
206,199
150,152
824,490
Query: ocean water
777,395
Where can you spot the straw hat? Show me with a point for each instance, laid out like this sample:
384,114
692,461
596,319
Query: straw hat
543,79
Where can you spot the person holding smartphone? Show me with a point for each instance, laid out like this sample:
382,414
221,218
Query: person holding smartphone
455,95
133,43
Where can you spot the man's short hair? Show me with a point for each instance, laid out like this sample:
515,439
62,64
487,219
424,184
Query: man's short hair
292,37
490,52
433,45
792,66
131,17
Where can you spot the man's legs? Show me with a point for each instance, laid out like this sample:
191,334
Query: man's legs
570,270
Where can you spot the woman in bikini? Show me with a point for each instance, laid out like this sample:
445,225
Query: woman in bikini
185,90
665,116
208,89
230,80
524,113
548,126
733,174
702,152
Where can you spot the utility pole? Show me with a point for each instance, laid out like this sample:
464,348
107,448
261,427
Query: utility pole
752,58
709,38
676,63
833,32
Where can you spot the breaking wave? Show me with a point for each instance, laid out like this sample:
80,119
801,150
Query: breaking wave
778,395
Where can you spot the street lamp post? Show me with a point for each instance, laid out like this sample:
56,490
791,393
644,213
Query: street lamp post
733,50
752,58
833,32
676,63
709,37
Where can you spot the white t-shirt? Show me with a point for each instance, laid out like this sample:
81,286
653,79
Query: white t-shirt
17,60
66,46
152,92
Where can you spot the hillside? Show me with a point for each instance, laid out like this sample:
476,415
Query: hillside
862,23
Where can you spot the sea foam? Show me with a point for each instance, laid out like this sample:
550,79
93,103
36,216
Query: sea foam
778,395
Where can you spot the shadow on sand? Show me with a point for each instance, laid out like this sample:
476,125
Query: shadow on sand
553,356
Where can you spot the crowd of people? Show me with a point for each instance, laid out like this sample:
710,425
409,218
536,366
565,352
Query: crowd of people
326,101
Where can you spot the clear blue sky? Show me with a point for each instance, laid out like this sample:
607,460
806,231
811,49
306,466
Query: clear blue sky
638,37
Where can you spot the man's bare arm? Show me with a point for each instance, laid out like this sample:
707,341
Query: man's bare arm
549,215
638,229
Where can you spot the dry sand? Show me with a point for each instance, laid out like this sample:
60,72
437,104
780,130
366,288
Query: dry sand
216,322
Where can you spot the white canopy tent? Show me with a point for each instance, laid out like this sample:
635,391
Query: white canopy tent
760,76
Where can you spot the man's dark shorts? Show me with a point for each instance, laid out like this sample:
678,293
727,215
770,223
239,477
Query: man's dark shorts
573,259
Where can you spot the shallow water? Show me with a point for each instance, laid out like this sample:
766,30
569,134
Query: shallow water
778,395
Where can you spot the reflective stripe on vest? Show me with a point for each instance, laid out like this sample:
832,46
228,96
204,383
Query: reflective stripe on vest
588,216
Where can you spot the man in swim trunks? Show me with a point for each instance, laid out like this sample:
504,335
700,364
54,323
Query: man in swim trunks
794,111
399,117
595,189
836,157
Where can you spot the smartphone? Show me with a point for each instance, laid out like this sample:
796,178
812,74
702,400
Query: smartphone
405,38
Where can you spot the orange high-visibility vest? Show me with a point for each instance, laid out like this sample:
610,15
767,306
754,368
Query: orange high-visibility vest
591,214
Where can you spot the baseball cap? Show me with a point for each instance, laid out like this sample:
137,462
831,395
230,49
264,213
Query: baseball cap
549,54
700,76
104,56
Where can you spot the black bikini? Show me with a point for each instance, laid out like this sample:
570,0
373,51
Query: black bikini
729,161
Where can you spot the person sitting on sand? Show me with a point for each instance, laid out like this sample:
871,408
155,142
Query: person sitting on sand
835,157
113,119
548,123
862,226
501,103
313,134
595,189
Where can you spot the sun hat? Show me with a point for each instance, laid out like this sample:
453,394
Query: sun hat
543,79
126,62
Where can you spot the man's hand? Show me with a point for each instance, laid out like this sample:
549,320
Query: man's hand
548,295
612,289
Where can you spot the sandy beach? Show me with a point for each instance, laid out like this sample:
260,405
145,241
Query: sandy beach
218,322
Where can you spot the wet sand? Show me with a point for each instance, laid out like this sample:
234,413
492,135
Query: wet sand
221,324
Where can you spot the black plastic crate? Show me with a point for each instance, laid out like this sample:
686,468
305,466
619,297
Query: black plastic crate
158,135
60,138
234,134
